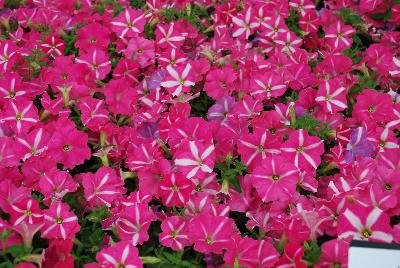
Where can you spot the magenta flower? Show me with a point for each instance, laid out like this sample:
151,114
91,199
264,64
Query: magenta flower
304,150
337,36
275,179
120,96
141,50
334,252
59,222
53,46
19,115
365,223
143,157
27,211
8,55
195,159
11,87
169,35
175,189
248,252
172,56
178,79
68,145
244,24
102,188
55,185
268,86
122,254
219,82
129,23
211,233
92,36
255,147
97,61
93,113
174,233
8,155
302,6
34,143
372,105
332,97
134,222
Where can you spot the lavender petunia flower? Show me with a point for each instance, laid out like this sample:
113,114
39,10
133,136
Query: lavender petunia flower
358,145
155,79
219,111
149,130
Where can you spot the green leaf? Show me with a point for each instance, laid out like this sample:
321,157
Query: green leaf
200,105
348,17
382,16
138,4
150,260
99,214
12,4
312,252
69,40
149,31
312,126
19,251
90,237
6,264
229,170
292,23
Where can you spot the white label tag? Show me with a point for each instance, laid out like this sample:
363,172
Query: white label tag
363,254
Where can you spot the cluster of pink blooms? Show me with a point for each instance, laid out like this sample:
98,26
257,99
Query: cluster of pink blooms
131,95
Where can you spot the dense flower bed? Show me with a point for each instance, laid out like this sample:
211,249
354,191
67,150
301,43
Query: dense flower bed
197,133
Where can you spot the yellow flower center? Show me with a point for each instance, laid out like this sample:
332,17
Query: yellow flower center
366,233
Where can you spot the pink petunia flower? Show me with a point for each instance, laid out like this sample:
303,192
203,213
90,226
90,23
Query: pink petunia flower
275,179
129,23
122,254
26,210
174,233
178,79
332,97
365,223
195,159
97,61
19,115
211,233
68,145
102,188
256,146
304,150
175,189
59,222
134,222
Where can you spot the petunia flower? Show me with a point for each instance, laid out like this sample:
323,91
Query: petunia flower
195,159
365,223
304,150
175,233
358,145
178,79
122,254
59,222
275,179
